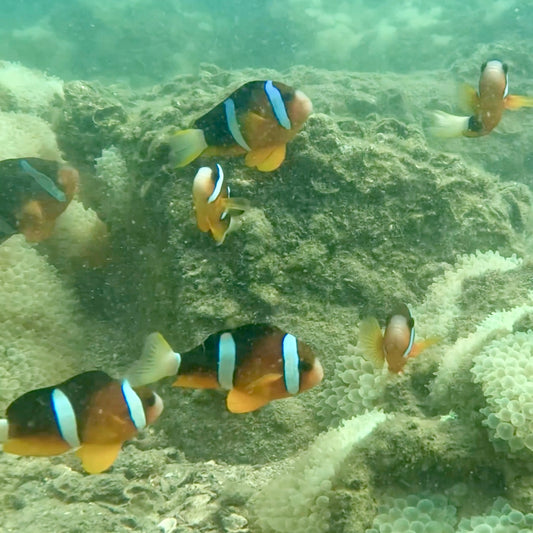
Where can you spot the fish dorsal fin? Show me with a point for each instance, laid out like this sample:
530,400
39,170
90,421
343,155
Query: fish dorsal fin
239,401
98,457
266,159
371,341
468,98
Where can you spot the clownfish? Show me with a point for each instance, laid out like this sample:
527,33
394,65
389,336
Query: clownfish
258,119
256,363
33,193
486,105
91,412
396,344
215,211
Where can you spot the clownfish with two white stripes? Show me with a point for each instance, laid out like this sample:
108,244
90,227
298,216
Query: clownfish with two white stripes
258,119
215,211
91,413
257,363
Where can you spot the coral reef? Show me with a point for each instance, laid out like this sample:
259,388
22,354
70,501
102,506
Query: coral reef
363,210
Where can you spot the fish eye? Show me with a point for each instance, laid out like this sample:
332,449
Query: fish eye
505,67
483,66
304,366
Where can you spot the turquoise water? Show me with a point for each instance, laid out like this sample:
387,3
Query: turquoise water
144,41
366,208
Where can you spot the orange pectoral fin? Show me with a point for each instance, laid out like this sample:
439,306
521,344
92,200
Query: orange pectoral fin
514,101
371,341
266,159
98,457
197,381
40,446
243,402
468,98
420,346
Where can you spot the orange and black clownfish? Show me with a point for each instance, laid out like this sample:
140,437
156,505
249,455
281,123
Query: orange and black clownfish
91,412
33,193
258,120
396,344
486,105
257,363
215,211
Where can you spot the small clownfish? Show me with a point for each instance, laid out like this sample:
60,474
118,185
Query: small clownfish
258,119
215,210
91,412
33,193
396,344
257,363
486,105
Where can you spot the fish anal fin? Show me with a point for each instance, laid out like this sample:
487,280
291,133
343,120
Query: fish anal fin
514,102
196,381
266,159
468,98
371,341
40,446
239,401
98,457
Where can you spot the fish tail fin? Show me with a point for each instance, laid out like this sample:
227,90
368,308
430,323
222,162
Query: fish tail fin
186,146
4,429
514,101
420,346
447,126
157,361
371,341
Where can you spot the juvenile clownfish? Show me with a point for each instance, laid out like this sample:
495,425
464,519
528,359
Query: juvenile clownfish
258,120
486,105
91,412
33,193
215,210
257,363
396,344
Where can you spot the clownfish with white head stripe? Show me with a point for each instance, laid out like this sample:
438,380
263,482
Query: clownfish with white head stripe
396,344
258,119
91,413
215,211
486,105
256,363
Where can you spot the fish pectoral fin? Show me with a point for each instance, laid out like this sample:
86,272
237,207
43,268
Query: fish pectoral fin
39,446
420,346
447,126
239,401
237,206
261,385
196,381
514,101
370,341
98,457
266,159
186,146
468,98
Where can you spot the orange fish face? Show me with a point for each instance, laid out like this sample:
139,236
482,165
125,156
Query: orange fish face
492,90
397,341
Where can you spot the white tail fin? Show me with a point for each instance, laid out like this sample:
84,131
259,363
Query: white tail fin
4,429
447,126
157,361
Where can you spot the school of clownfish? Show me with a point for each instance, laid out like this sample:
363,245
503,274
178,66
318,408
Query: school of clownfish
93,413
